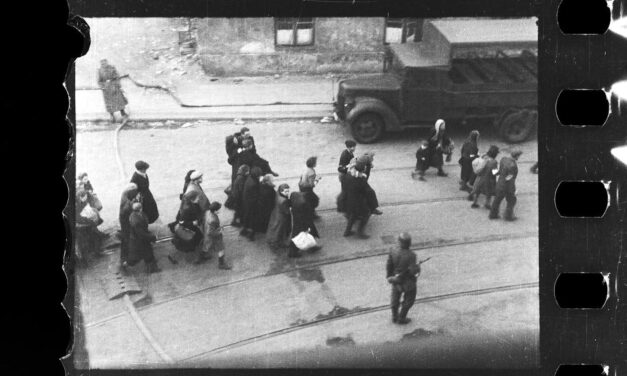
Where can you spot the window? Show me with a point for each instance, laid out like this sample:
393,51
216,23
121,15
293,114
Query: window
294,31
401,30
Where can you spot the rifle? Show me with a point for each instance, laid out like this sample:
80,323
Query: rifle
395,279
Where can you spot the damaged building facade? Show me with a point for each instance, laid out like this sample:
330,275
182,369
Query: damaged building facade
263,46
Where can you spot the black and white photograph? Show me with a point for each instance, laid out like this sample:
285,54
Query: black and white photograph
307,192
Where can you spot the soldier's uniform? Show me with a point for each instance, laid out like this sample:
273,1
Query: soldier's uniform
401,273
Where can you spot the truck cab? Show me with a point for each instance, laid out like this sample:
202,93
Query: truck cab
463,69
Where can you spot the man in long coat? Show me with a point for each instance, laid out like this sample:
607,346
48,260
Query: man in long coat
143,186
345,159
401,271
109,82
506,186
140,240
250,203
357,201
279,227
438,145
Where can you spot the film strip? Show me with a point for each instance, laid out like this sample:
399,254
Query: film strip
583,175
590,108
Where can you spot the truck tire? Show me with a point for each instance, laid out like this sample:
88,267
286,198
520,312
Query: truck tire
516,126
367,128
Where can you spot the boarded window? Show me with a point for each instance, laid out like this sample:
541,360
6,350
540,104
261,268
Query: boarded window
401,30
294,31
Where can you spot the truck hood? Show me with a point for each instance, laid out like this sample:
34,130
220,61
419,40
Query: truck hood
383,82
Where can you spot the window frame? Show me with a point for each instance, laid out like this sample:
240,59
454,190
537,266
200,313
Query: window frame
404,21
295,21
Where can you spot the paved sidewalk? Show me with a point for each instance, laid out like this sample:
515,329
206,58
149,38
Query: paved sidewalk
239,98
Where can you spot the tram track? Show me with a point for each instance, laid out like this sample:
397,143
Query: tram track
355,313
374,252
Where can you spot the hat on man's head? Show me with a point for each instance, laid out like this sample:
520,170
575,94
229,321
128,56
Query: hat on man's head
350,143
195,175
141,165
244,130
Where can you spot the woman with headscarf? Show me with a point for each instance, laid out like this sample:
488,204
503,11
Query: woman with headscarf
267,198
280,223
308,181
250,204
234,202
143,185
486,179
140,240
126,208
87,220
469,152
194,185
214,241
438,144
302,220
187,234
186,182
367,160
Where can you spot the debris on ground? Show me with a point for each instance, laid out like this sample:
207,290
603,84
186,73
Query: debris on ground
341,341
170,123
186,125
276,76
327,119
238,121
237,80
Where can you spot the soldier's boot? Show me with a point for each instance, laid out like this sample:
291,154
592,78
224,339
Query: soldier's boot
509,214
394,314
402,317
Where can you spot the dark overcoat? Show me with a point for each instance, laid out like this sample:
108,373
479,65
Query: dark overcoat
280,223
357,196
402,263
109,82
126,208
149,204
139,246
237,193
486,181
188,213
469,152
302,215
267,198
250,205
508,171
435,146
252,159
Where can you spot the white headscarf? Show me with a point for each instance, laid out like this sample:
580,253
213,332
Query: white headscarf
438,124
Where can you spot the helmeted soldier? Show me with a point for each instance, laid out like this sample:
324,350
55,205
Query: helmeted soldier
402,273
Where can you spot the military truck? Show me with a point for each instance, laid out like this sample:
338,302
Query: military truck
466,70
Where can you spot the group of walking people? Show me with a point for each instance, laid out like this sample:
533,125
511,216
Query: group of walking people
480,174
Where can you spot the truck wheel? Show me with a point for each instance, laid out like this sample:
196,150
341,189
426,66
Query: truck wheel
367,128
516,126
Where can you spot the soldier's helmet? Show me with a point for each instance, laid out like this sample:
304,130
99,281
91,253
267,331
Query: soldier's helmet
404,239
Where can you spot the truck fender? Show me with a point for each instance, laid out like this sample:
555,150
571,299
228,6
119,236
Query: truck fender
366,104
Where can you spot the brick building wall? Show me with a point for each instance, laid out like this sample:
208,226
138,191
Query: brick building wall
246,46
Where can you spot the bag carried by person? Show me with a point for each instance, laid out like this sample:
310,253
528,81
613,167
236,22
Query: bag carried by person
91,214
184,233
478,164
304,241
